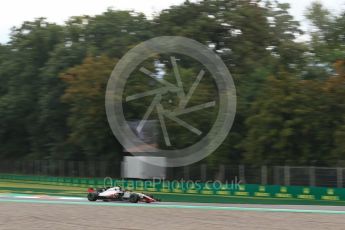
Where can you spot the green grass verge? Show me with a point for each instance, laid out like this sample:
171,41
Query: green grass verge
59,189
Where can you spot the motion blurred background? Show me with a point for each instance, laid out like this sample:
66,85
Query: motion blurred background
288,66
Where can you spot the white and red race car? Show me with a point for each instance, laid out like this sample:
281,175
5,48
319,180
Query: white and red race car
117,194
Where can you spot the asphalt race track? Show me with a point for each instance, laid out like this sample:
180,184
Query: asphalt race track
47,212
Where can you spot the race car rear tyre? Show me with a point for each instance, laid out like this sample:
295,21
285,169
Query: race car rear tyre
134,198
92,196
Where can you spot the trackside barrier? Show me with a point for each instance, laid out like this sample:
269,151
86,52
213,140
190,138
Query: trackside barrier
176,187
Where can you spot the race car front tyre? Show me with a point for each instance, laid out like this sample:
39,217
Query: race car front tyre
134,198
92,196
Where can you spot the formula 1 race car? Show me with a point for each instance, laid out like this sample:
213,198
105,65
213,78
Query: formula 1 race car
117,194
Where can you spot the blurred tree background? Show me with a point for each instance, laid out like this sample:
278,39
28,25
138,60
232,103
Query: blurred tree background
291,93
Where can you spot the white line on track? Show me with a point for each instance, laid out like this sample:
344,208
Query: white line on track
43,197
71,198
27,197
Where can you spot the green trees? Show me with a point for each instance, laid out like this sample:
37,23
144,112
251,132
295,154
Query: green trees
290,94
89,130
287,125
296,120
337,91
26,54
